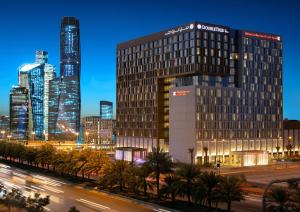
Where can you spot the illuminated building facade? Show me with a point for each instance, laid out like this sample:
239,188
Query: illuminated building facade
19,113
98,131
106,110
4,126
69,95
35,78
200,86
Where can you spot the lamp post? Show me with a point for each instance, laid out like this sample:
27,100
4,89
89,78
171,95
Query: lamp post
87,136
77,134
33,135
9,137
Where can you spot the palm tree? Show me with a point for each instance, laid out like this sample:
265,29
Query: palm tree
209,181
277,151
191,151
278,200
159,162
188,174
142,173
171,186
117,173
230,190
205,149
289,148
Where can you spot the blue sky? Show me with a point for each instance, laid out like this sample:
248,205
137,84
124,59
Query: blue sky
30,25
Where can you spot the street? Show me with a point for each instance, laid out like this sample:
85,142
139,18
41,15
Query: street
64,195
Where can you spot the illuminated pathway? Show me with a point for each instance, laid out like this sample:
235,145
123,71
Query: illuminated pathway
63,194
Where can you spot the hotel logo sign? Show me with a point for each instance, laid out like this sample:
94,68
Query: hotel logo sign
212,28
181,93
199,26
269,37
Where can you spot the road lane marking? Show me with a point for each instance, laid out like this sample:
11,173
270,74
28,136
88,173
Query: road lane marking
30,188
47,209
160,210
93,204
38,188
52,189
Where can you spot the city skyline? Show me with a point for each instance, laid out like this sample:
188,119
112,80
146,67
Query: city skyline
98,56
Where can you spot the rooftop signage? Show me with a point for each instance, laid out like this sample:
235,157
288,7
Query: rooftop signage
212,28
180,93
179,29
270,37
199,26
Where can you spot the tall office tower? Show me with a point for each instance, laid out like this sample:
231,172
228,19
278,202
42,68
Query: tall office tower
50,74
19,112
69,97
35,78
4,126
207,87
106,110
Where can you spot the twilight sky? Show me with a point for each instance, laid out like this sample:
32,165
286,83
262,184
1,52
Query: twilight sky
28,25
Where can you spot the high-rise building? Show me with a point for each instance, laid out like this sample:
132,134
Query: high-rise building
19,112
201,86
4,126
69,105
35,78
106,110
97,130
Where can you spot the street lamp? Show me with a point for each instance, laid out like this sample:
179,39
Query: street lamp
87,136
33,135
9,137
76,136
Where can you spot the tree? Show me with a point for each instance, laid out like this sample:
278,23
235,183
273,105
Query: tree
230,190
277,150
188,174
205,149
116,174
278,200
45,155
73,209
14,199
171,186
209,181
30,155
289,148
191,151
37,203
159,162
140,175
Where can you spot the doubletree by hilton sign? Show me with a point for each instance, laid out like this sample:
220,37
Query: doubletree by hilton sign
199,26
269,37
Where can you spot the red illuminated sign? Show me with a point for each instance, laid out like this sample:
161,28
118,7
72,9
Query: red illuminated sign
270,37
180,93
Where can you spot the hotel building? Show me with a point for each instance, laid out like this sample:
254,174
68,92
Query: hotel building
205,87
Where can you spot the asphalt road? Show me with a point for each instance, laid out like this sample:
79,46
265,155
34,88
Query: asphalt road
64,194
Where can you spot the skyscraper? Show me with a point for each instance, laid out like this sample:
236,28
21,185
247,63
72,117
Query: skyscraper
35,78
200,85
69,105
106,110
19,112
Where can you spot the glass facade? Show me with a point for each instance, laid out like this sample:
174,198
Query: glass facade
19,113
69,105
106,110
35,78
238,75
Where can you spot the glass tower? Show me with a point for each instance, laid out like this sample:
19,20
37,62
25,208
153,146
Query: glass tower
69,105
18,112
106,110
35,78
